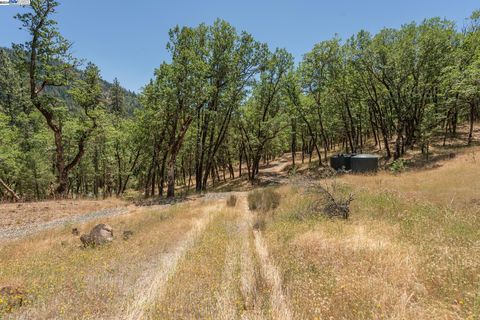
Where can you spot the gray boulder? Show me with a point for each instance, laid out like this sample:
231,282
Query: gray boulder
100,234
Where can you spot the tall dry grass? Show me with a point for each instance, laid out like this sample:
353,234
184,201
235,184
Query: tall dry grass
221,276
64,281
408,251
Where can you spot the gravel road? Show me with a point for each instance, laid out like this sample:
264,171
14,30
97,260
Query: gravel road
23,231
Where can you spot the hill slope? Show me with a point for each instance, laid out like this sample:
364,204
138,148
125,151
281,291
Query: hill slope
131,101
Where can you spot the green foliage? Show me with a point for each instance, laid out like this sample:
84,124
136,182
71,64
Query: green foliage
398,166
117,104
265,115
222,100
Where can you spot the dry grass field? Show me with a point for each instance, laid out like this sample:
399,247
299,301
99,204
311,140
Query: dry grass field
410,250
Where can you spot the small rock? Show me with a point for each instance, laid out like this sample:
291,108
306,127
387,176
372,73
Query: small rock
75,231
127,234
86,240
100,234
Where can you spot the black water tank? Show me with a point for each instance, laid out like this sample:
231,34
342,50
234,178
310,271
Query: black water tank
364,163
341,161
337,162
348,160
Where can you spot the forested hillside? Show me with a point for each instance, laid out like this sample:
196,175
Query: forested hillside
225,100
131,101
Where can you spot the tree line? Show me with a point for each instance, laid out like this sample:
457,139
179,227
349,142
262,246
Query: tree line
224,104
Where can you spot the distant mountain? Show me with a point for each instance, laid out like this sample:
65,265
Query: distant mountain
131,101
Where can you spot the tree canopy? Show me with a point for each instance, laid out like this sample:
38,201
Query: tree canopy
224,101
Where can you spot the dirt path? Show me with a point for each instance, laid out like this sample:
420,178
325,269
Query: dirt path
278,300
241,276
248,277
254,245
152,286
252,271
275,173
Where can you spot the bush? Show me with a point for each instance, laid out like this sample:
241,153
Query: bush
254,198
263,200
131,195
398,166
231,200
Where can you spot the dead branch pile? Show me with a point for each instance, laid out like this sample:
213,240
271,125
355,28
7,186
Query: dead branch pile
330,202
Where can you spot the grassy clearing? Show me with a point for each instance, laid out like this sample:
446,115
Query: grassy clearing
405,253
64,281
454,184
409,250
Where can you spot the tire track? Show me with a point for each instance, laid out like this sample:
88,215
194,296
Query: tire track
278,300
153,285
226,308
248,275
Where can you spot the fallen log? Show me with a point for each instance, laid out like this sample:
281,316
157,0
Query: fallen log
9,190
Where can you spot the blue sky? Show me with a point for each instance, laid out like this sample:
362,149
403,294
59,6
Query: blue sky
127,39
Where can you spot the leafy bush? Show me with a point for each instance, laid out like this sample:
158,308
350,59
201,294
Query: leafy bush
398,166
263,200
292,171
254,198
131,195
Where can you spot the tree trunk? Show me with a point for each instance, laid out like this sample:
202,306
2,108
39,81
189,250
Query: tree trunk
96,172
171,176
294,140
472,120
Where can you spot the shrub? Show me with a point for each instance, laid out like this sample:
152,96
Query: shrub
292,171
398,166
254,199
232,200
131,195
263,200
